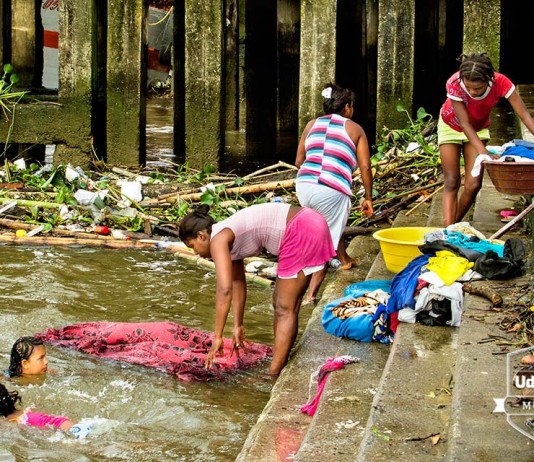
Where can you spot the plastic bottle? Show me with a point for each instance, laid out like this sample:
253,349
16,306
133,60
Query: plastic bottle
163,243
101,230
35,231
118,234
334,263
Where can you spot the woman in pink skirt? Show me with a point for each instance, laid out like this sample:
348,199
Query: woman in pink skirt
299,236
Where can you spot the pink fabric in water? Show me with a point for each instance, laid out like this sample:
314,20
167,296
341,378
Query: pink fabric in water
307,242
166,346
36,419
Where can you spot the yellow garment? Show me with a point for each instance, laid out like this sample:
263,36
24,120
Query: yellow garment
448,266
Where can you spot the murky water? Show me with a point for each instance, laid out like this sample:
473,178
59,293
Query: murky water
160,132
141,414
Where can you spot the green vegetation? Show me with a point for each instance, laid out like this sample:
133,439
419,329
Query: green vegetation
8,97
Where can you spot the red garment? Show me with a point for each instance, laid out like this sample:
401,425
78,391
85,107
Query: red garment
478,108
166,346
394,321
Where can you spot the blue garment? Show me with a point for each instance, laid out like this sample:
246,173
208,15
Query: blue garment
525,143
474,243
382,333
361,328
403,285
521,151
359,288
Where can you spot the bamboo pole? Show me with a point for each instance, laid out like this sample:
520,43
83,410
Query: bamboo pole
25,203
251,189
267,169
425,199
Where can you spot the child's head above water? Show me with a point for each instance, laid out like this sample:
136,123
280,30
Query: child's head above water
8,401
28,357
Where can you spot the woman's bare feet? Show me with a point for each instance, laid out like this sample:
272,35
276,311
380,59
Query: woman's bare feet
347,265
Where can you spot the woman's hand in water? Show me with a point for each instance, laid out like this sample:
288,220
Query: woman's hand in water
239,341
216,347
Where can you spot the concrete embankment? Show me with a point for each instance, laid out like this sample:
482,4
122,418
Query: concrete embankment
428,396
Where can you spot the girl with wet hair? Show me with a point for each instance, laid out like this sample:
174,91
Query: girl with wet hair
299,236
28,357
463,127
8,409
331,148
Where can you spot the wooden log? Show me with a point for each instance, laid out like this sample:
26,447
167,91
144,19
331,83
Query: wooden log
483,290
357,231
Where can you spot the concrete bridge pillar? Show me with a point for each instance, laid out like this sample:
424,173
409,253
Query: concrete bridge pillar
317,55
126,77
395,74
203,82
482,25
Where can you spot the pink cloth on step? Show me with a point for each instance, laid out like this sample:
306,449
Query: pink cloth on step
166,346
331,364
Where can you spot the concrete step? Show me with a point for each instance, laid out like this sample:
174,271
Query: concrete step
440,382
414,397
281,428
351,393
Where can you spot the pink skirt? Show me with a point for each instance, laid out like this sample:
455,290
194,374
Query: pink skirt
306,242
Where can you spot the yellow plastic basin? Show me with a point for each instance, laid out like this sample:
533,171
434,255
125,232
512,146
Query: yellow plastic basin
399,246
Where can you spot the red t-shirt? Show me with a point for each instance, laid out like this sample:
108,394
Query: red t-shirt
478,108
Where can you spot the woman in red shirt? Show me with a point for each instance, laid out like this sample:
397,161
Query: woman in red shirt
463,125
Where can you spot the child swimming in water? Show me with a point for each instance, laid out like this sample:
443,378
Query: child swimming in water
28,357
8,409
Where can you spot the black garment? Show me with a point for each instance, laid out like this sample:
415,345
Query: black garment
510,265
435,246
438,315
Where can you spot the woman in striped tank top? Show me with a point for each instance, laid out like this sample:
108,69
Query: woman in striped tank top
331,147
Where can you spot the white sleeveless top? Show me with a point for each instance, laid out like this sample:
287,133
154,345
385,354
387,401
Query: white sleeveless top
256,228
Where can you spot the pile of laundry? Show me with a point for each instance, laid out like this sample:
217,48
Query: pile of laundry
428,290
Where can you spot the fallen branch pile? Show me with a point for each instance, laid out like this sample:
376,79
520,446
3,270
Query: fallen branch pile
65,205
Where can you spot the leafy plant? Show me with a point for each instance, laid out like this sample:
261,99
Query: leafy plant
8,97
416,131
